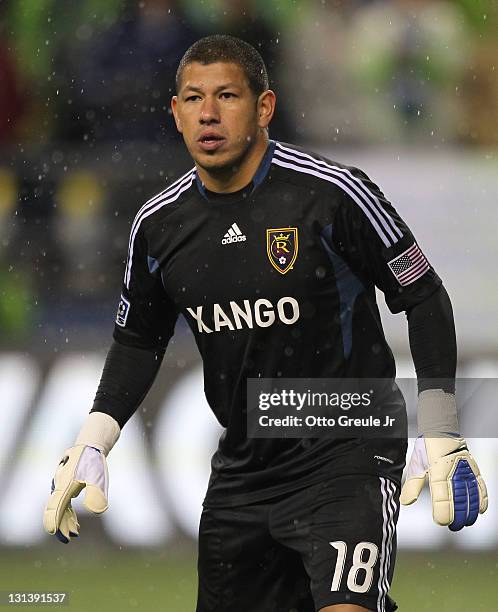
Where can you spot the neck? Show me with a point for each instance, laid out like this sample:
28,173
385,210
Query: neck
227,180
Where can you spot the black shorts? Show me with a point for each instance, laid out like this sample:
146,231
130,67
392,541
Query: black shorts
333,542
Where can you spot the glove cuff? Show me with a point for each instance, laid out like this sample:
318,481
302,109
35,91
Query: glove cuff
437,413
100,431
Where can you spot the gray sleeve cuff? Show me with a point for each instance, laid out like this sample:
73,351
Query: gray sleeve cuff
437,413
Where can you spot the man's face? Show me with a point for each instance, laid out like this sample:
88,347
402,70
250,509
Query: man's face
217,113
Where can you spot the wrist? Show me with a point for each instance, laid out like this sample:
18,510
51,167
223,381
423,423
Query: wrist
99,430
437,414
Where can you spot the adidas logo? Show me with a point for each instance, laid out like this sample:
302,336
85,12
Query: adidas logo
233,235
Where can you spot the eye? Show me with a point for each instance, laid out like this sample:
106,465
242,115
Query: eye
228,94
192,98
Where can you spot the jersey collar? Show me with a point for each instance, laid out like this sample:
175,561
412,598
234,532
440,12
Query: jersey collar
257,179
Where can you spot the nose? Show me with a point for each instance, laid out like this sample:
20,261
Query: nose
209,112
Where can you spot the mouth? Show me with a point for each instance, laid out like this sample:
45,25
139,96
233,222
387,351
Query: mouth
211,141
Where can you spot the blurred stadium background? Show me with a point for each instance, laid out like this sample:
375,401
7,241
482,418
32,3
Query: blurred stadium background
406,89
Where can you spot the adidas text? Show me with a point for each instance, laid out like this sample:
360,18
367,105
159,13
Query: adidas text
233,239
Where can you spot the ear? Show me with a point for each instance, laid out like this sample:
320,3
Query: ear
266,107
174,110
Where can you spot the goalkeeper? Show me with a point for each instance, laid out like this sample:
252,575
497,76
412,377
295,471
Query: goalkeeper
272,254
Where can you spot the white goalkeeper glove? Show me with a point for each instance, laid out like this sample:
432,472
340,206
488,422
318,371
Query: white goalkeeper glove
458,492
82,466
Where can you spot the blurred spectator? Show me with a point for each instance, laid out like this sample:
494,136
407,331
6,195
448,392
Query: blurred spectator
480,97
318,88
482,15
12,101
16,297
8,197
80,233
409,57
38,30
123,78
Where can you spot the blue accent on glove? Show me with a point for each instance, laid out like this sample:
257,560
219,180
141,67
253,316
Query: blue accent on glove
58,534
465,496
61,537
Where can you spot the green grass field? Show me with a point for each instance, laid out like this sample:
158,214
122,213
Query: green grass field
109,581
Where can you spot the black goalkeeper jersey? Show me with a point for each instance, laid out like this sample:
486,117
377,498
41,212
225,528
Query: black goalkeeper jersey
276,280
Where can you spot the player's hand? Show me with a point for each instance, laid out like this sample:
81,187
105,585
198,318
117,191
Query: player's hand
81,467
458,492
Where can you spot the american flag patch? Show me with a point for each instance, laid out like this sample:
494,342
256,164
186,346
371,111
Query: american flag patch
409,266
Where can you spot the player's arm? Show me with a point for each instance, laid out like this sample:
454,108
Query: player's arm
381,250
458,491
144,324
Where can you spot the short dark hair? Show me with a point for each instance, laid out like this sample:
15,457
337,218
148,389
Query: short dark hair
225,48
